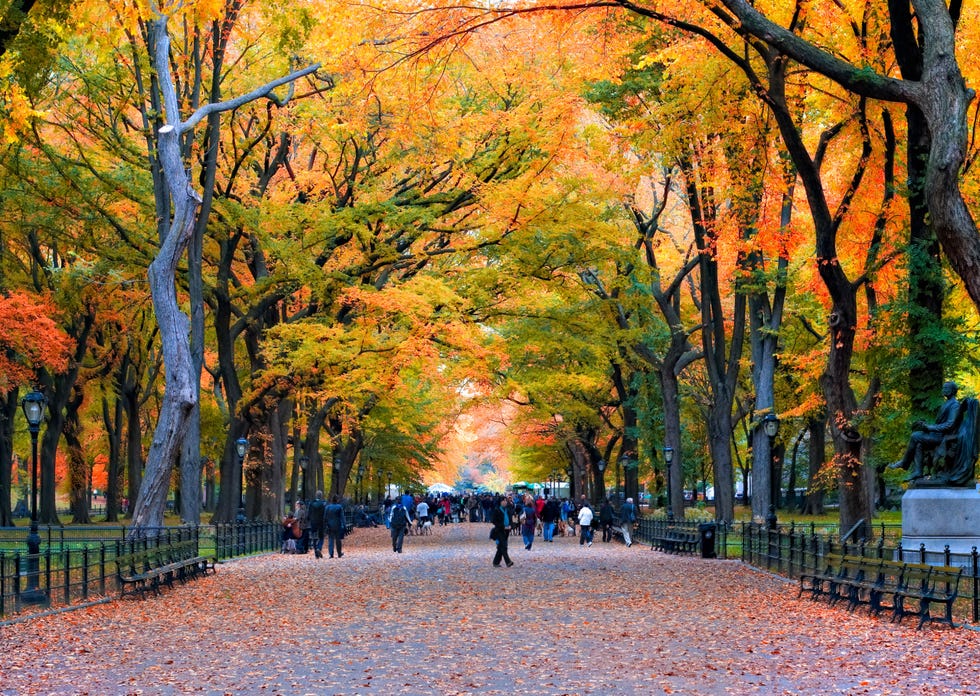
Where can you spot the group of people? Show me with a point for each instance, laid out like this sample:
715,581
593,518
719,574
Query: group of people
526,513
307,526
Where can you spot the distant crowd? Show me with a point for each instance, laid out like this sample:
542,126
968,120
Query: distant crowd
310,524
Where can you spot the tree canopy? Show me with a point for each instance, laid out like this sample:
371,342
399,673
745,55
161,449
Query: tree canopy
352,234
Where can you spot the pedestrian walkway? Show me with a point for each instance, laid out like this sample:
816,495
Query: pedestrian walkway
438,620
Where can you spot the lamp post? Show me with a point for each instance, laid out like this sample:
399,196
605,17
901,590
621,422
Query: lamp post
602,479
360,478
304,465
770,425
241,448
668,458
34,405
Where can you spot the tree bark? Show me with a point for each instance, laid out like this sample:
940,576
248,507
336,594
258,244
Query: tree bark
112,420
180,396
78,468
813,505
8,411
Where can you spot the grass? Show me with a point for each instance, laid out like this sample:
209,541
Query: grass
743,513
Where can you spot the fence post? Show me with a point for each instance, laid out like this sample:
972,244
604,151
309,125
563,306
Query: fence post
84,572
102,568
66,556
975,562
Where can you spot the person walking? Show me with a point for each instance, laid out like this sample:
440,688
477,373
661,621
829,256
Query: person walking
422,512
529,522
303,522
549,518
386,516
317,523
606,517
334,521
399,523
289,532
500,519
585,517
627,518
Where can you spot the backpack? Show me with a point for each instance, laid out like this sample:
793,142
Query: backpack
399,517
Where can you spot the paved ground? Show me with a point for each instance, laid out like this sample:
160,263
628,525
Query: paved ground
438,620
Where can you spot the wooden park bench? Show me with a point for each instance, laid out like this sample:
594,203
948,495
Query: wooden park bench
817,582
139,572
675,540
927,585
871,581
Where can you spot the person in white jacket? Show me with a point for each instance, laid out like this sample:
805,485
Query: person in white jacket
585,516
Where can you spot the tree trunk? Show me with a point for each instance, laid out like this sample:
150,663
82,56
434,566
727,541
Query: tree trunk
112,419
813,505
78,468
273,492
674,472
180,395
927,290
722,358
178,204
8,412
765,320
134,450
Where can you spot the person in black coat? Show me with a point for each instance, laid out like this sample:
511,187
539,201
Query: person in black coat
399,524
500,518
333,518
549,518
606,518
317,521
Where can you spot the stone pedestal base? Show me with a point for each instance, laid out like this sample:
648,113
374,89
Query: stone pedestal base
940,517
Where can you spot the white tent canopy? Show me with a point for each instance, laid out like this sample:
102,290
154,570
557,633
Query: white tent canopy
439,488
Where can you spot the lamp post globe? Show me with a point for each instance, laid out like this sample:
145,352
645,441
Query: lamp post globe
770,424
34,405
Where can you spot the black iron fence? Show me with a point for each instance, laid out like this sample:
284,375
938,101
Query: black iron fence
710,539
794,550
77,564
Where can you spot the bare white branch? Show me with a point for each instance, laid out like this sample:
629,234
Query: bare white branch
243,99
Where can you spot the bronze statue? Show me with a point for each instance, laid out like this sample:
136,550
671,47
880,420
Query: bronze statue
948,448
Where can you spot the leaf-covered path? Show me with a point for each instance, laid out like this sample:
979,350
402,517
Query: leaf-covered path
438,620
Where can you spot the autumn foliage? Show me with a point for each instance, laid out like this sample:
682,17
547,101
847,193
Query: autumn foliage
30,339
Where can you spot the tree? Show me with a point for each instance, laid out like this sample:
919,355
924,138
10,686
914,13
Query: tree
30,340
176,195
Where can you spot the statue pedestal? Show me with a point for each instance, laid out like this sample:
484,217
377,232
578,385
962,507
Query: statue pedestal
940,517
